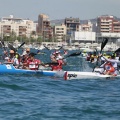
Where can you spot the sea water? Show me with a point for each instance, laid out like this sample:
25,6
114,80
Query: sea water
52,98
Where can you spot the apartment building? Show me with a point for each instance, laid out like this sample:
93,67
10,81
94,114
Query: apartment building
108,24
18,26
86,27
60,32
44,28
72,24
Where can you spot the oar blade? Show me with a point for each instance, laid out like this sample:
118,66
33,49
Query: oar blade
21,45
46,47
118,50
104,42
11,47
74,54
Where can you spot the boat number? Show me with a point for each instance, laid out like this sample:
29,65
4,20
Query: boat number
8,67
72,75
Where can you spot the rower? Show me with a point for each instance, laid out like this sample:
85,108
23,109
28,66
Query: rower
94,57
84,54
55,67
25,55
13,59
32,63
111,65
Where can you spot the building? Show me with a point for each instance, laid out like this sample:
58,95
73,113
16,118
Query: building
72,24
44,28
84,36
108,26
86,27
18,26
60,32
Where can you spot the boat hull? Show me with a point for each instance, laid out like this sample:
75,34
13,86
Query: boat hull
70,75
10,69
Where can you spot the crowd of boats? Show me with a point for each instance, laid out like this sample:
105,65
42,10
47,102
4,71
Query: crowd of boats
106,64
89,47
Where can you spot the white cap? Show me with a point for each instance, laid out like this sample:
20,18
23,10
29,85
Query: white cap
59,57
57,52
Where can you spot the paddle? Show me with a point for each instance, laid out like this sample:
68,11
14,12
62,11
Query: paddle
46,47
21,45
11,47
39,52
51,63
73,54
3,45
104,42
14,49
118,50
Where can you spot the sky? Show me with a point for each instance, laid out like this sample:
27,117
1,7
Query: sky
59,9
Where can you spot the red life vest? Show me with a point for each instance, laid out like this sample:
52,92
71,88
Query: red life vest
33,65
57,67
109,67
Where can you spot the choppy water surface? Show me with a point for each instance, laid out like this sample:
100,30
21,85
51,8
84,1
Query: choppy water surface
50,98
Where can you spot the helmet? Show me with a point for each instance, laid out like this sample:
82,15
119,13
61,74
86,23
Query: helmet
11,51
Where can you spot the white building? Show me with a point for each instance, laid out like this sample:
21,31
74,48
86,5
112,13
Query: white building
84,36
60,32
17,25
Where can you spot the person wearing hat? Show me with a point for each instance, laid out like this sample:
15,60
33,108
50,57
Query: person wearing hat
13,59
32,63
25,55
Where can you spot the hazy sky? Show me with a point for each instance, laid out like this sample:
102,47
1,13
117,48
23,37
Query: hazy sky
59,9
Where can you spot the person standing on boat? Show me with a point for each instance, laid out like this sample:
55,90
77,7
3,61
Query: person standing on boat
32,63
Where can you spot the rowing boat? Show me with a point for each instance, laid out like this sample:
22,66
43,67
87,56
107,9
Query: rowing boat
69,75
10,69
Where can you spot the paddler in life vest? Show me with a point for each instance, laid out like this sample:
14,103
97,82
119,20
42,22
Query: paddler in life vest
25,55
88,56
13,59
111,66
58,65
84,54
32,63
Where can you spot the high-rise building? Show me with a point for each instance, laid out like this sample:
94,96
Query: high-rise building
44,28
107,24
72,24
60,32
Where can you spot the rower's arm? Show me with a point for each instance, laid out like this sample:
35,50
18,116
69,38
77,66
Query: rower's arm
111,60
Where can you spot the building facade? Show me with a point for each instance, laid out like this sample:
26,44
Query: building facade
60,32
44,28
108,26
18,26
86,27
72,25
